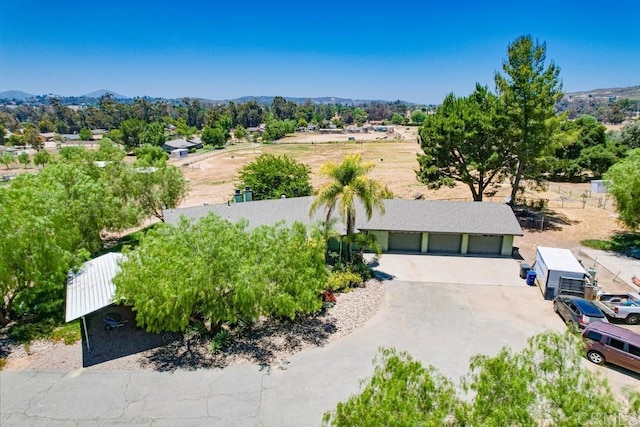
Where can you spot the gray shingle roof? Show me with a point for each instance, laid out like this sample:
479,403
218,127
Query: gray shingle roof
179,143
438,216
433,216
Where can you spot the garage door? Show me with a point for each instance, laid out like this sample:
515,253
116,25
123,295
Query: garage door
485,245
405,242
445,243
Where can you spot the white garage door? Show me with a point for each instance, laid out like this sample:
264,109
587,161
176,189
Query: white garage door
445,243
484,245
405,242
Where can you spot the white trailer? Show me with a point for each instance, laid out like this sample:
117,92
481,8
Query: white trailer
558,270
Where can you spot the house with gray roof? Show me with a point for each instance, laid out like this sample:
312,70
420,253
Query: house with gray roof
422,226
175,144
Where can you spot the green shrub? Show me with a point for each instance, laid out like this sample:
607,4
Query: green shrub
342,280
47,329
363,270
68,333
622,242
220,341
603,245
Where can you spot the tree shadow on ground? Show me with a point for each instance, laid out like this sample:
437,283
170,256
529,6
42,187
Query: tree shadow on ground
542,220
119,342
379,275
261,344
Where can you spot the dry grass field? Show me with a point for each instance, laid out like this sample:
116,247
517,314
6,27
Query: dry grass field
212,180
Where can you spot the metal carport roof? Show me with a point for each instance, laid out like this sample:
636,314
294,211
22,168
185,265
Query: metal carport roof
91,288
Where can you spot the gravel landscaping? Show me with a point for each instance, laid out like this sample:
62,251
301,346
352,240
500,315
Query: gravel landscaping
267,343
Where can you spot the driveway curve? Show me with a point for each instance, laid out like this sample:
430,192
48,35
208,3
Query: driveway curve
442,324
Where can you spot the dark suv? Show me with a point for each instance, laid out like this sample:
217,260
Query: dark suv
577,311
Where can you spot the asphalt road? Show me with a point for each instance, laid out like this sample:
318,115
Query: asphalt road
443,324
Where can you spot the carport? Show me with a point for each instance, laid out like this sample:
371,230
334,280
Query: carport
91,288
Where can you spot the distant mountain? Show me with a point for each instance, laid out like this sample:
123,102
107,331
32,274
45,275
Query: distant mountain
631,92
98,93
18,95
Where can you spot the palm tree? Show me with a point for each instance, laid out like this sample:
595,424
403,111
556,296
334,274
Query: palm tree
350,182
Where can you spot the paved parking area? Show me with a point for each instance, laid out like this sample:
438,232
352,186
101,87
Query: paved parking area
623,267
443,324
450,269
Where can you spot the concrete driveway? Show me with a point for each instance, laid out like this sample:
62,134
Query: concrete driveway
450,269
442,324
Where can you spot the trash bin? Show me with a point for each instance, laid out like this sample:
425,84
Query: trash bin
531,277
524,268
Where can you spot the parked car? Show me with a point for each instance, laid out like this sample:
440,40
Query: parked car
620,306
577,311
613,344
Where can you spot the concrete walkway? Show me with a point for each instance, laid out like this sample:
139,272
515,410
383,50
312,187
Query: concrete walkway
623,266
440,324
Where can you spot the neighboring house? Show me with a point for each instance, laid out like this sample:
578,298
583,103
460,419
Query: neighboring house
97,134
260,129
70,137
175,144
48,136
421,226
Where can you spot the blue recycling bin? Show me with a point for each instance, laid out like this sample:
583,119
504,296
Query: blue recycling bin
531,277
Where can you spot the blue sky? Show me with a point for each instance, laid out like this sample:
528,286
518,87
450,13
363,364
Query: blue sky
416,52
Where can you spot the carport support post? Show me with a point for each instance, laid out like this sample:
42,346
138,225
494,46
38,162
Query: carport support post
86,334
